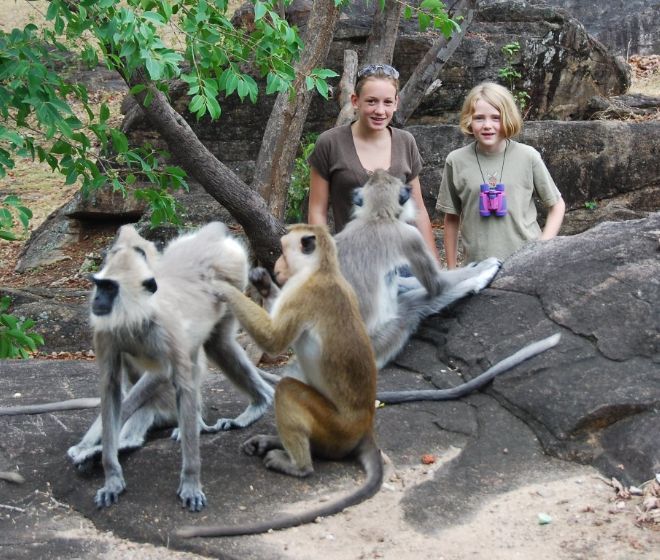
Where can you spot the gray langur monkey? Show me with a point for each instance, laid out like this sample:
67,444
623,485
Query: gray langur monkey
155,319
328,410
371,248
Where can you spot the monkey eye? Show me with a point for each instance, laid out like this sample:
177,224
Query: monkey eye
150,285
404,194
308,243
358,199
140,251
105,285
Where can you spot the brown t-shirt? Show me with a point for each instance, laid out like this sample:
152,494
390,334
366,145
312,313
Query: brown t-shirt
336,160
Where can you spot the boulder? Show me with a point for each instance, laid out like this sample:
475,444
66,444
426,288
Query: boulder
593,398
631,27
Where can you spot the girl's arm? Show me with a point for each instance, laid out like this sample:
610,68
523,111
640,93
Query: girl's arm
452,221
423,220
554,220
319,195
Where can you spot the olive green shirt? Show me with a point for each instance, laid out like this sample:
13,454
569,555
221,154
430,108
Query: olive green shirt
524,176
337,161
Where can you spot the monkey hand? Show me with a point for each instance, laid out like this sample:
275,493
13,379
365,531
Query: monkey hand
260,279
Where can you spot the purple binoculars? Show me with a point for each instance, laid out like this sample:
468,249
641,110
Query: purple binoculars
492,199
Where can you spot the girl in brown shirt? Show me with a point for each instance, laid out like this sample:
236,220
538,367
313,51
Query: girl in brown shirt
345,156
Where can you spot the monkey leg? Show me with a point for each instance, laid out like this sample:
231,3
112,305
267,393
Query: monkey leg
223,349
306,420
187,398
473,278
110,419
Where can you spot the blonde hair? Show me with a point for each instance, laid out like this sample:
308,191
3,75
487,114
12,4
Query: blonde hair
500,98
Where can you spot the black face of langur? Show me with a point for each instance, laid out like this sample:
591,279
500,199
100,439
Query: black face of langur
106,290
375,198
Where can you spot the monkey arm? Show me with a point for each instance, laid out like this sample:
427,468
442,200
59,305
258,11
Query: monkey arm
273,335
422,264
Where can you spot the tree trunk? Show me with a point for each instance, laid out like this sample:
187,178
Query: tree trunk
384,33
282,135
347,88
428,69
246,205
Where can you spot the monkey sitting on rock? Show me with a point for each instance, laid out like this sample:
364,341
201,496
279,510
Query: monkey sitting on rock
372,246
328,409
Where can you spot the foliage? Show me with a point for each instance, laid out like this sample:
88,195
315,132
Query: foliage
15,339
591,205
299,186
44,117
11,210
510,75
430,13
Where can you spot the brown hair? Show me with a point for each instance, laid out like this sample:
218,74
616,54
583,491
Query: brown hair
500,98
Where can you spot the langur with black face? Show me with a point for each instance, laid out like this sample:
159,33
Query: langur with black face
155,319
328,410
372,248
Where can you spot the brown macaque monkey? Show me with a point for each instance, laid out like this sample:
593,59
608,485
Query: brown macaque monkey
328,410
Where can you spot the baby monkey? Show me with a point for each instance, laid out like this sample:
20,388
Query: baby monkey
328,409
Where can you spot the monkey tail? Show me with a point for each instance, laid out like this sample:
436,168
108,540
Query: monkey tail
371,461
71,404
529,351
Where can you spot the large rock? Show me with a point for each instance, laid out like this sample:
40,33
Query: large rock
593,398
626,27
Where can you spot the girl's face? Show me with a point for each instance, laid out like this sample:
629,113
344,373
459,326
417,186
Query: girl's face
376,103
486,127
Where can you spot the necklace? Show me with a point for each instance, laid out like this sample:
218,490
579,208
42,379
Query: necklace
476,154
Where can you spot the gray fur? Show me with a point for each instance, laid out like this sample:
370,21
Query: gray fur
372,246
151,349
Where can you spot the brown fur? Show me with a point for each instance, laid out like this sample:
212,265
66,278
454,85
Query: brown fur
329,412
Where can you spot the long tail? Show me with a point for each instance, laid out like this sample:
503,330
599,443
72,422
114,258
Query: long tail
529,351
71,404
369,457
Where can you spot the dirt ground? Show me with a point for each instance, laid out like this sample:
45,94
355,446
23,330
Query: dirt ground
576,515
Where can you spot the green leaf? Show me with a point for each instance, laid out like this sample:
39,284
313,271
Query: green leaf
119,140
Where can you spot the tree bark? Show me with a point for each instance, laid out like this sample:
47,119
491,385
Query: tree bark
276,157
384,33
428,69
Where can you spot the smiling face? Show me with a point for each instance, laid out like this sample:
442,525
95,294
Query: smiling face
486,126
375,103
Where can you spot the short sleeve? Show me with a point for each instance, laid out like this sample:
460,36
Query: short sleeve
544,185
319,159
448,199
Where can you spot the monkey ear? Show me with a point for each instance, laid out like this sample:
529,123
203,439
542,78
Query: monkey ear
358,199
150,285
308,244
404,194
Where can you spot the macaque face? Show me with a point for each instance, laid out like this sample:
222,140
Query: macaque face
298,252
